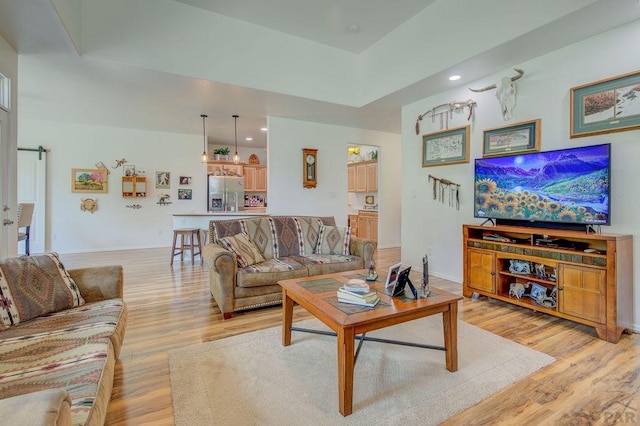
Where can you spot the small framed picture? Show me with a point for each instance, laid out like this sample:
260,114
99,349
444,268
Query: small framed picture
163,180
185,180
538,291
369,199
184,194
129,170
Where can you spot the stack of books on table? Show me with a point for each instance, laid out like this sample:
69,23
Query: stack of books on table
368,298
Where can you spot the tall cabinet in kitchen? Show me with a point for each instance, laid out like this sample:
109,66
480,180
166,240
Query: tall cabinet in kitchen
362,176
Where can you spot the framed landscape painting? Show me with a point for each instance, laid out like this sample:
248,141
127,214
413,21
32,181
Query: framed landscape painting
515,138
606,106
445,147
89,180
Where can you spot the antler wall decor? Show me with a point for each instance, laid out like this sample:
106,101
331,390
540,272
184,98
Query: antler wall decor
440,186
445,111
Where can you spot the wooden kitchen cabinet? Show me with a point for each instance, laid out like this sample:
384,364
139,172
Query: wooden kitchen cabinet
368,225
353,224
362,176
351,178
255,178
586,278
372,177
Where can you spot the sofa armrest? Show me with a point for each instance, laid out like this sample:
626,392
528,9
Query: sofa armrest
363,248
223,269
45,407
99,282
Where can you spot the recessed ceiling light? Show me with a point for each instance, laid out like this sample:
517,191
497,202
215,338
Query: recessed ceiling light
264,129
353,28
454,77
248,138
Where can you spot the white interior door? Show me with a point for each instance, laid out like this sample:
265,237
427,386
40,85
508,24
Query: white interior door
32,169
8,230
3,195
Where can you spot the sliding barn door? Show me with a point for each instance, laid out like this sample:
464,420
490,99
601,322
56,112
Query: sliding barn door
32,169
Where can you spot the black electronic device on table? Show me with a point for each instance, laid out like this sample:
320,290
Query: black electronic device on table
402,282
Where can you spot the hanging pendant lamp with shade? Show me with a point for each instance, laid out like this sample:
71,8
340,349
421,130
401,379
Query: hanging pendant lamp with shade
205,157
236,157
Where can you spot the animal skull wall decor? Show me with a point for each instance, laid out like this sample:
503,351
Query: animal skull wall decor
506,93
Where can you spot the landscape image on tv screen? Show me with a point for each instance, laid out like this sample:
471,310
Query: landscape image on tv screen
569,185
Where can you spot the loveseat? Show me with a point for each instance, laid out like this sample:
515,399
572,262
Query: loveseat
61,332
247,257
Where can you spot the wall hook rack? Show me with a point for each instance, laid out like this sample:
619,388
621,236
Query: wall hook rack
440,186
134,206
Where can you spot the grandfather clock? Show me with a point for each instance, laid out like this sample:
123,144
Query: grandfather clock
309,167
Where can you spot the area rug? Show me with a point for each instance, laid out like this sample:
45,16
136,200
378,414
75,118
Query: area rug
251,379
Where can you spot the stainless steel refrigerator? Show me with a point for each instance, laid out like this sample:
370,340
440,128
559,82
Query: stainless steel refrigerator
225,193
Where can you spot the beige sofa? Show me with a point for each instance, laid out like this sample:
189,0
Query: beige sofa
58,368
288,248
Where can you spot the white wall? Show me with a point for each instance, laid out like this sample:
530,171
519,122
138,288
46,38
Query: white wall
114,226
543,93
286,194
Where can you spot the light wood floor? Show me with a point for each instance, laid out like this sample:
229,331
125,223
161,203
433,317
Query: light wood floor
592,381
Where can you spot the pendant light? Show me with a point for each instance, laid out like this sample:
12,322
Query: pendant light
205,157
236,157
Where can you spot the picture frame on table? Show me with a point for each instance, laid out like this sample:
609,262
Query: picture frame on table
450,146
514,138
89,180
392,275
605,106
538,291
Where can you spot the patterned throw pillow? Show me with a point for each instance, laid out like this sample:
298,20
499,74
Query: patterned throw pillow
246,252
32,286
333,240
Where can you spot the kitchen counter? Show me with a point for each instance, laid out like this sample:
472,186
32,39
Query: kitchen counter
201,220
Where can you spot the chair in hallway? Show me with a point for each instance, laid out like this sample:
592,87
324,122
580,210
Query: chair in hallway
25,213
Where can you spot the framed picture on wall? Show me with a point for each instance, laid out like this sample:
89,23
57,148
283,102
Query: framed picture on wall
89,180
184,194
449,146
519,137
606,106
163,180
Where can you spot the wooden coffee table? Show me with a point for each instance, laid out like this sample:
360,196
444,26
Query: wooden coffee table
317,294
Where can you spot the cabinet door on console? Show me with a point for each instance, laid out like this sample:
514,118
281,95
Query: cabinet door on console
481,270
582,292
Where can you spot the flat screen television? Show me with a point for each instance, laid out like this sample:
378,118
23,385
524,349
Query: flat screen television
566,186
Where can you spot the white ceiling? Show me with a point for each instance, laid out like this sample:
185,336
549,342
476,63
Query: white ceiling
326,21
98,91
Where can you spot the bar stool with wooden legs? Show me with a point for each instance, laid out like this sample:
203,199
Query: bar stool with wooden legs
189,240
